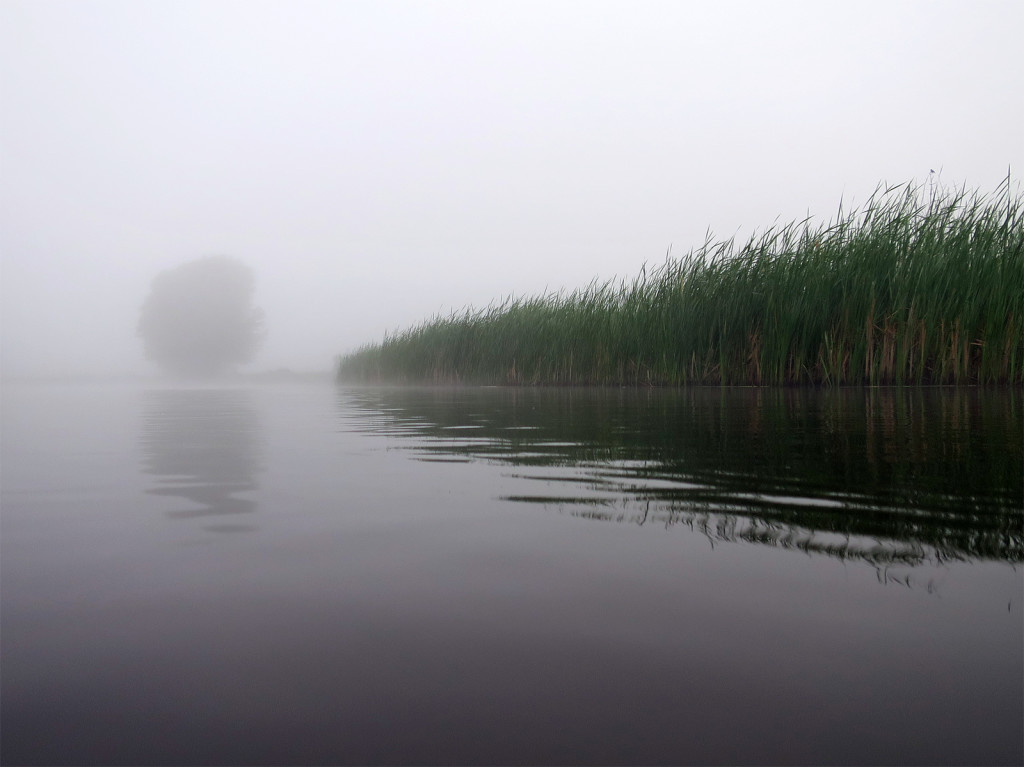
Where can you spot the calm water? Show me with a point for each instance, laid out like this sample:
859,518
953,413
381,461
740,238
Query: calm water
303,574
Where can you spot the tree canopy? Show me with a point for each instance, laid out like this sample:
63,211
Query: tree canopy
198,319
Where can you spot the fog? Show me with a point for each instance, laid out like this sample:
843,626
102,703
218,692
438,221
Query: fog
376,163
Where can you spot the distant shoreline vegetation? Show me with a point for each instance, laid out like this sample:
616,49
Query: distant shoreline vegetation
920,286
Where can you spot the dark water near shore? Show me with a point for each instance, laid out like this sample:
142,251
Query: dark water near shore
299,574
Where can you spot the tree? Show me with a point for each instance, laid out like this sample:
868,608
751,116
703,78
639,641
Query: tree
198,319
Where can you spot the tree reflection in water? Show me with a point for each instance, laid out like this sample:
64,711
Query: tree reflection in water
203,445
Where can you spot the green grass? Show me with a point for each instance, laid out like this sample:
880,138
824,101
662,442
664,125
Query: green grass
916,287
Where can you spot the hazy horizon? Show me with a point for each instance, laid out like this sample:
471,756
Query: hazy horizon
377,163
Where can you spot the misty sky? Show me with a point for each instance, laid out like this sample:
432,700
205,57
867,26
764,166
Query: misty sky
379,162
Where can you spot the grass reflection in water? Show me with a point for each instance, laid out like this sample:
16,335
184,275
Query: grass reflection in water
888,476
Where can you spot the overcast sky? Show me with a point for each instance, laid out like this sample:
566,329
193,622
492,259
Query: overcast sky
379,162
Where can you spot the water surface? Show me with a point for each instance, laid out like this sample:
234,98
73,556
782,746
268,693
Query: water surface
310,574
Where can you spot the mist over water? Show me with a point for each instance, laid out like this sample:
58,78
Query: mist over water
377,163
211,554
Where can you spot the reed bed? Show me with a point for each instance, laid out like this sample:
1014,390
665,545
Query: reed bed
920,286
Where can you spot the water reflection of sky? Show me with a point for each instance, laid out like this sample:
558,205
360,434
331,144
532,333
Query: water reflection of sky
886,476
203,445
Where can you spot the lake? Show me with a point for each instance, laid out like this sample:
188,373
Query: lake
313,574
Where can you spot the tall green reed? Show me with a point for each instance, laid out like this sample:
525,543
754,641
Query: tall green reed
919,286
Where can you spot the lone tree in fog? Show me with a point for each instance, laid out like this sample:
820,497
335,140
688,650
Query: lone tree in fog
198,319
